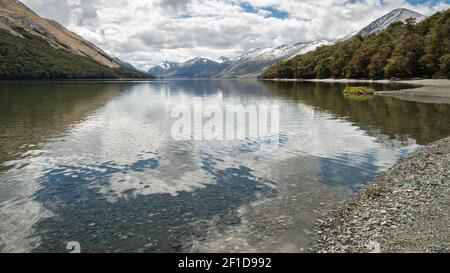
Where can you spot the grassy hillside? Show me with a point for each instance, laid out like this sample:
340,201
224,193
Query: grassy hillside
403,50
31,57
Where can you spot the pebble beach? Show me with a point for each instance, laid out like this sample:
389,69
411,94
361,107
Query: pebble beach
405,209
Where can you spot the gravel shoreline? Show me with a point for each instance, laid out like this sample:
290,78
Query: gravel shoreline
406,209
430,91
427,91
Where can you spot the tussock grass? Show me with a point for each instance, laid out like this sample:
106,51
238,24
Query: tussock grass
359,90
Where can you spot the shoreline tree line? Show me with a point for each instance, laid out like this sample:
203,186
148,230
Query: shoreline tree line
403,50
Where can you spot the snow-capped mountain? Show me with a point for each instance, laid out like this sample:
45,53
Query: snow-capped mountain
194,68
253,63
169,65
163,69
397,15
250,64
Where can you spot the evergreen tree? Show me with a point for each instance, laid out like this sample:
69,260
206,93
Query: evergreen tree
403,50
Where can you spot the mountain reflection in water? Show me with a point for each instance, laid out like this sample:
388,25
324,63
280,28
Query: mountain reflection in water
95,162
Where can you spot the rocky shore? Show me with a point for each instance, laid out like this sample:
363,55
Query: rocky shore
406,209
427,91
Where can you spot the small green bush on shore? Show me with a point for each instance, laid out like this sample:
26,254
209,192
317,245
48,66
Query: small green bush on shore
359,90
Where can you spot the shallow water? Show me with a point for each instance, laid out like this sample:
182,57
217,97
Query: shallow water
95,162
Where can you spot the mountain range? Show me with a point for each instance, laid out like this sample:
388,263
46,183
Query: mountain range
248,65
35,47
253,63
194,68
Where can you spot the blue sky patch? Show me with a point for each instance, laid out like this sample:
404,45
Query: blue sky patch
247,7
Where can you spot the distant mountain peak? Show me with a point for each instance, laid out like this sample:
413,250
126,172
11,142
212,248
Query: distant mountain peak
200,59
168,64
197,60
402,14
224,59
397,15
196,67
403,10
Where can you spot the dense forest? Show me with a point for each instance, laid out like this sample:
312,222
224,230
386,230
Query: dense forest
31,57
403,50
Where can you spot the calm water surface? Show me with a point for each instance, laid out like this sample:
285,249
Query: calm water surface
95,162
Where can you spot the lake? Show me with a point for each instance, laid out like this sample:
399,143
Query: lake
95,162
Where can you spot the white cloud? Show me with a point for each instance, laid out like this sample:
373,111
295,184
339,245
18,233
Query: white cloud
148,31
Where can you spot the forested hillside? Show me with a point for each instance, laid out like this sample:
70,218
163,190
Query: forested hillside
403,50
31,57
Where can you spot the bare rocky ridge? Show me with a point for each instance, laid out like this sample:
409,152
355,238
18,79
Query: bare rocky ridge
405,209
14,14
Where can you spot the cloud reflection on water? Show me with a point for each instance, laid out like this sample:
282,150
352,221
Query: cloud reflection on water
120,169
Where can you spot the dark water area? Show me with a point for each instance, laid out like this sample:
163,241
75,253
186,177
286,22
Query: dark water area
95,162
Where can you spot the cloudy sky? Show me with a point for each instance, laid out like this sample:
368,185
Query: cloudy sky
146,32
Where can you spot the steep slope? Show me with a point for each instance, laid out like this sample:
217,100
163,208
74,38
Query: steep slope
14,14
397,15
126,65
253,63
402,50
34,47
28,56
